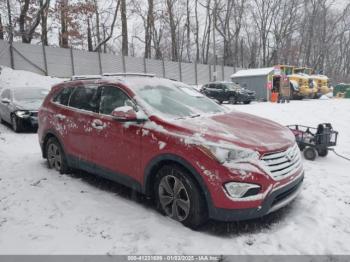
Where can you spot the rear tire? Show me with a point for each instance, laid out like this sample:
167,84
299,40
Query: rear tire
232,100
323,152
247,102
16,125
178,196
310,153
56,158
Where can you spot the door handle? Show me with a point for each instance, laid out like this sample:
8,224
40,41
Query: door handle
98,124
60,117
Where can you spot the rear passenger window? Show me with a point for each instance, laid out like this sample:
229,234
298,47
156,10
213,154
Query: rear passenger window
63,96
85,98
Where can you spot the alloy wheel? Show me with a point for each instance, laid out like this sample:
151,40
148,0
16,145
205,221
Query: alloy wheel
54,156
174,198
14,123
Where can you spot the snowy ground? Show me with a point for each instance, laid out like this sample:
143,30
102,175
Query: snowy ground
42,212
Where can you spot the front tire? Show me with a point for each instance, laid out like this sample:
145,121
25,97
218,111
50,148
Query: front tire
16,125
56,157
178,196
310,153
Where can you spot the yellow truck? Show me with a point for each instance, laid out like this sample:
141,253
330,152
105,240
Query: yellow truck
320,82
302,86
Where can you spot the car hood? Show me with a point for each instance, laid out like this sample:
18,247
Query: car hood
32,105
240,129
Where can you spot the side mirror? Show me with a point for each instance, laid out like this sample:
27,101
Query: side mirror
5,101
127,114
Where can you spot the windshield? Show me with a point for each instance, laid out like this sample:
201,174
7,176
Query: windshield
174,99
30,94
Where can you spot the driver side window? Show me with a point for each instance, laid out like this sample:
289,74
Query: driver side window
111,98
6,94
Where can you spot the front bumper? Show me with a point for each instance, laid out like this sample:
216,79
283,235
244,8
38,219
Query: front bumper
28,122
246,97
274,201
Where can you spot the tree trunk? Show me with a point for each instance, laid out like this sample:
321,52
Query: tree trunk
44,16
89,37
125,41
1,29
97,14
188,24
197,31
64,24
22,21
10,21
149,28
174,46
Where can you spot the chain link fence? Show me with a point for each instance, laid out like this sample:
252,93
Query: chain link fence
63,62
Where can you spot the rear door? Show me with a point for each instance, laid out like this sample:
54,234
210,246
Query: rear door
80,121
212,92
221,92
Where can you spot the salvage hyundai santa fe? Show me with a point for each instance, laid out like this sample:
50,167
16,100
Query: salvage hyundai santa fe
198,160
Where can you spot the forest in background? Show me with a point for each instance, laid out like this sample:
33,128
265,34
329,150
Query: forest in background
238,33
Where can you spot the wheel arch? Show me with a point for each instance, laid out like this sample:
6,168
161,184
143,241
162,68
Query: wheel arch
49,134
167,159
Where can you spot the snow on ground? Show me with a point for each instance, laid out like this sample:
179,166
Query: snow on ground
42,212
19,78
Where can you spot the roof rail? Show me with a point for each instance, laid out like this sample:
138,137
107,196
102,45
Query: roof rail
129,74
83,77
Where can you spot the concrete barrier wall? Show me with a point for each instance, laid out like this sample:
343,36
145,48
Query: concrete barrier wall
62,62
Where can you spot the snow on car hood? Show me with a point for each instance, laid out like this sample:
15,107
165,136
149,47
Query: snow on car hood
31,105
240,129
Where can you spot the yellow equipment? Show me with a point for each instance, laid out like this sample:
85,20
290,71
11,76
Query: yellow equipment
301,84
322,84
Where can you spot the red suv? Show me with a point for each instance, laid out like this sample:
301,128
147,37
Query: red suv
197,159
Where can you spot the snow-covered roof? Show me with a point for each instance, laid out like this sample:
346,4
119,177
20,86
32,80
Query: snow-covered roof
320,77
253,72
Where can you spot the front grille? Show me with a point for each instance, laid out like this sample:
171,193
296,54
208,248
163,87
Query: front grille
283,164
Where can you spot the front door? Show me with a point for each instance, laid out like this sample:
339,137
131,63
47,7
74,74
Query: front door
117,145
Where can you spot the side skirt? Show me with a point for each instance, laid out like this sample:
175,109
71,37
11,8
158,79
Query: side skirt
125,180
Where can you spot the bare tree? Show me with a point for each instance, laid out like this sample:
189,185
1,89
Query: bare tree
109,36
27,28
1,29
263,14
44,16
63,6
149,28
174,42
124,28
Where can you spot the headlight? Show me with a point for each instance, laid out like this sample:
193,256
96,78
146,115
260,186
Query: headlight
239,190
22,114
229,154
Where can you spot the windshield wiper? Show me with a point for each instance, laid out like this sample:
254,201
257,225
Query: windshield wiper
194,116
